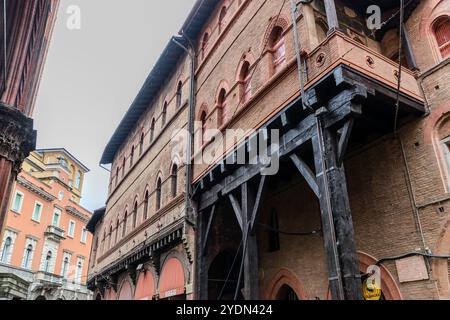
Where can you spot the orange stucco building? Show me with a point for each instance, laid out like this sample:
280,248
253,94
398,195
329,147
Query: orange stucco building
44,243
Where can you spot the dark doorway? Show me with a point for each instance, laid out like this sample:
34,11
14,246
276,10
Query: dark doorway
220,270
287,293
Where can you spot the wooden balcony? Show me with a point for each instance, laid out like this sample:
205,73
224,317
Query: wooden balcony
338,49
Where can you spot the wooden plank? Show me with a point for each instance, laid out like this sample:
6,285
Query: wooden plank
306,172
259,194
332,19
343,140
208,229
237,210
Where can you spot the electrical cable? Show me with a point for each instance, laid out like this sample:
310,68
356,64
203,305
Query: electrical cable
400,49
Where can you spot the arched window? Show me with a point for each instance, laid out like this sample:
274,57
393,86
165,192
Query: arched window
179,93
117,176
203,122
110,236
65,267
222,104
222,21
164,115
141,144
204,47
174,182
245,79
123,167
152,131
158,194
47,262
79,272
117,230
104,242
146,205
124,227
132,156
6,249
278,47
441,30
135,209
27,257
322,30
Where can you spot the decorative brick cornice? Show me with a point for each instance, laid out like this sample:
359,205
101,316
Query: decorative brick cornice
76,213
35,189
17,137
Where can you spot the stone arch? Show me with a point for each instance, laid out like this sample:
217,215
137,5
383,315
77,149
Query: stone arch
389,286
283,22
184,262
246,57
203,108
285,277
440,267
126,289
223,84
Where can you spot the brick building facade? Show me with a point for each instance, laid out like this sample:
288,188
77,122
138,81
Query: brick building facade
363,158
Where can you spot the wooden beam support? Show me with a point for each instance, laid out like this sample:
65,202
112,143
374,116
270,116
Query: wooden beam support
257,203
332,18
208,229
343,140
306,172
237,210
337,225
251,267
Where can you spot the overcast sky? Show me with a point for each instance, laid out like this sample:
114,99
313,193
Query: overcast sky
92,75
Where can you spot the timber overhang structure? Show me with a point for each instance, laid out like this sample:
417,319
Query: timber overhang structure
351,94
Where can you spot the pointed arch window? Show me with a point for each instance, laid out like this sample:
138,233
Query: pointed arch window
158,194
203,123
6,249
164,115
204,47
110,236
135,209
222,17
245,79
278,48
117,231
146,205
222,104
441,30
48,260
124,227
141,144
123,167
27,257
179,93
132,157
152,130
174,180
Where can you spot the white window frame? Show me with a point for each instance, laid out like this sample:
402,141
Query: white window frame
56,210
69,233
21,202
83,238
33,244
37,203
12,235
65,273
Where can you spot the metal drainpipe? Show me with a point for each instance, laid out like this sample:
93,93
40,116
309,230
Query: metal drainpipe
189,148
